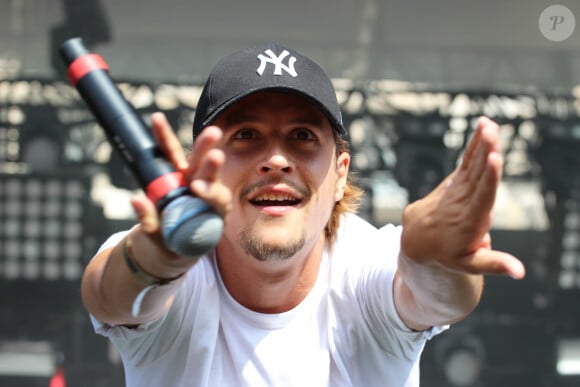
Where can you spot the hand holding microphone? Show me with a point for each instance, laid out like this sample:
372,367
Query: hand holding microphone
190,227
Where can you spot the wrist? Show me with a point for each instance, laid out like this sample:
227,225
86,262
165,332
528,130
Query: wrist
142,274
440,287
152,257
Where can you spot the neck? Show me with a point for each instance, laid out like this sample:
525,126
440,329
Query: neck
270,286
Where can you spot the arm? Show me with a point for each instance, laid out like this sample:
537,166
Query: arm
108,286
446,246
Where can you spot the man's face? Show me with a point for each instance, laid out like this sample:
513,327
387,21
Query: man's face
283,172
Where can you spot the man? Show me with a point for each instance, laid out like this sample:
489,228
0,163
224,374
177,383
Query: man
299,291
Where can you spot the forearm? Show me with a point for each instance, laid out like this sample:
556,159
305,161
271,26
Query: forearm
110,288
434,295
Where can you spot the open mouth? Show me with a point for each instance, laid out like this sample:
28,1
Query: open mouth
267,200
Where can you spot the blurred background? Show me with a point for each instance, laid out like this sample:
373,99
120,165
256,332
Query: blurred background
411,77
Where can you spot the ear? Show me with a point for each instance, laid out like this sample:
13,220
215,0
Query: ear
342,166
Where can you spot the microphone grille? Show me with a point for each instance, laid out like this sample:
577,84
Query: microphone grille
197,235
190,226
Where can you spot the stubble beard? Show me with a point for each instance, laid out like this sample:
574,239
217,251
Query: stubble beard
263,251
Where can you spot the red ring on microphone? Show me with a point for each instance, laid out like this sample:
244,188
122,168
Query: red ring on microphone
84,65
164,184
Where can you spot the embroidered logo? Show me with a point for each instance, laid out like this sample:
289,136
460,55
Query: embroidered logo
277,61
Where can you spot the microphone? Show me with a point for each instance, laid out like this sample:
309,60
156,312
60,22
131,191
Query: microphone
190,227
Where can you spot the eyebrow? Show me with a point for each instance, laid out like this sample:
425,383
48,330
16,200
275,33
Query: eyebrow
238,117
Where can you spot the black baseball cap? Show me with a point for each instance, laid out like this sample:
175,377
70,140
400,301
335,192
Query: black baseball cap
270,67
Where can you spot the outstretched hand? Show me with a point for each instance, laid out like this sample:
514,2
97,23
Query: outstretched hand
201,167
450,226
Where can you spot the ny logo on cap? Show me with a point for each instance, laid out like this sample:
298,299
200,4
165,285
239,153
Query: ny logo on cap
277,62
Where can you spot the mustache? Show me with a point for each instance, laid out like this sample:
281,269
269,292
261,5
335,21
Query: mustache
302,191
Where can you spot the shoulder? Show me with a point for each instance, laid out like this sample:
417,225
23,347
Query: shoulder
355,230
359,245
353,224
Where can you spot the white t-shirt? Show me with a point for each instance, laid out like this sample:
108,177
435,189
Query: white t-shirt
346,332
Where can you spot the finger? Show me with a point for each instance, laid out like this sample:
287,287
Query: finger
146,213
472,146
485,261
486,188
168,141
210,167
207,185
473,170
206,141
215,194
487,143
490,128
486,241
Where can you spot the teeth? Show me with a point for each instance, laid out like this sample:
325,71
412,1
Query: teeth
274,197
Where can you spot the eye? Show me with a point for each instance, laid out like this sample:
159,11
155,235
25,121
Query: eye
245,134
303,134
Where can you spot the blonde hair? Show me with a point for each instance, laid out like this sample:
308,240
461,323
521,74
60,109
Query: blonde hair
350,201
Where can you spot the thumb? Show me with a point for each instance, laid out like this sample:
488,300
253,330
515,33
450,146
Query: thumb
146,213
486,261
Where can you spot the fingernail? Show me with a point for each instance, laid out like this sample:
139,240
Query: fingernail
518,271
200,186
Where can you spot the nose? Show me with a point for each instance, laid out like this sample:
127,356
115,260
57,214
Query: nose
275,161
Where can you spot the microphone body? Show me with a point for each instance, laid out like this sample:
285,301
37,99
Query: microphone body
190,227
